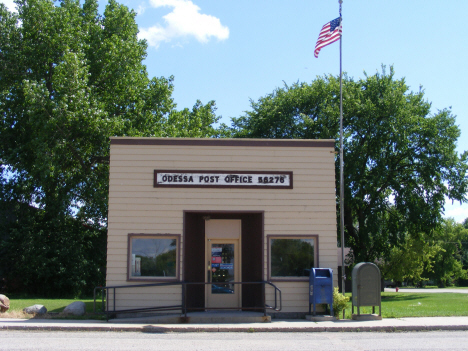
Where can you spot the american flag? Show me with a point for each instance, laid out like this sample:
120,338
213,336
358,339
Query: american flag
330,33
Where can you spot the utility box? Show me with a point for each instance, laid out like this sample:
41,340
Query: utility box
321,288
366,287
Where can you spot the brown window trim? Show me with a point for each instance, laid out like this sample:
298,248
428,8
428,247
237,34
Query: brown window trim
148,236
289,236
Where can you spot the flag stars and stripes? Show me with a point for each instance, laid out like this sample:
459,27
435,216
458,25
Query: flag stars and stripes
330,33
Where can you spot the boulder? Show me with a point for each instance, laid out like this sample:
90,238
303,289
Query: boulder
36,309
4,303
77,308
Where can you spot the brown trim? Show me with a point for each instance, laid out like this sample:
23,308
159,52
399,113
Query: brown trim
225,142
219,212
263,246
290,236
191,219
182,185
146,279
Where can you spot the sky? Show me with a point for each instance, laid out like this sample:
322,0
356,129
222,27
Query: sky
234,51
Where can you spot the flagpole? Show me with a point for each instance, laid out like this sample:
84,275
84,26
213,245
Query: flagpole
343,274
331,32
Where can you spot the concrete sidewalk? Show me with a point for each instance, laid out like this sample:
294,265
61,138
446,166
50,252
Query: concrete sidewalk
385,325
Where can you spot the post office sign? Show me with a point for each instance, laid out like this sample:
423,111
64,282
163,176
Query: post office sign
223,179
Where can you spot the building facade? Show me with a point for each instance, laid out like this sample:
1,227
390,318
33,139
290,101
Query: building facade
220,212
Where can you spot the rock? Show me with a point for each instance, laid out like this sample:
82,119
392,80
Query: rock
36,309
4,303
77,308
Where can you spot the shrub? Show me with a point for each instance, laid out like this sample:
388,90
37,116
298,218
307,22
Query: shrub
339,302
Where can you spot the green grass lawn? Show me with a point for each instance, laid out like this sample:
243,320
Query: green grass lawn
396,305
428,287
54,306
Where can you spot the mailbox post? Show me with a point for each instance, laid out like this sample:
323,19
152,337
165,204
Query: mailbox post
366,287
321,287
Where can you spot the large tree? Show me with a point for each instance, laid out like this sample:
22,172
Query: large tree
69,79
400,160
72,78
438,257
448,263
411,260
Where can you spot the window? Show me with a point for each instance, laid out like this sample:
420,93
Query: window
291,258
153,257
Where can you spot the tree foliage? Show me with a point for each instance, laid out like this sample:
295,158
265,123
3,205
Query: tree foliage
439,257
410,260
400,160
448,263
63,257
465,246
71,78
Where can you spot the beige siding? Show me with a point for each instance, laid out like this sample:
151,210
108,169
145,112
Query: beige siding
136,207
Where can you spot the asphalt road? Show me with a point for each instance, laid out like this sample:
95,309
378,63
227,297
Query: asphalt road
66,341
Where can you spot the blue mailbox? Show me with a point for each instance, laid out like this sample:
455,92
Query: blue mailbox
321,287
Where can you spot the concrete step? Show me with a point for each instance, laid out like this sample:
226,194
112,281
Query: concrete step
199,318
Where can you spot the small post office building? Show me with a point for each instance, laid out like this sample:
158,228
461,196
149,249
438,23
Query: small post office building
223,215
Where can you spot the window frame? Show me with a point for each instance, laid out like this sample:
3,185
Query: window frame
132,236
315,237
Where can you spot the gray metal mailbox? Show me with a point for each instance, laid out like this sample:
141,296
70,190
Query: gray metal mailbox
366,287
321,287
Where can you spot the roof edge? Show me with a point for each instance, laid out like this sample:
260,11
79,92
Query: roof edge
223,142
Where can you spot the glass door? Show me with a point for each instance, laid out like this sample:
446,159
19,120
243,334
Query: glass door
223,269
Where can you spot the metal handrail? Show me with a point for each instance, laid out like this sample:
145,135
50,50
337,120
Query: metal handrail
183,306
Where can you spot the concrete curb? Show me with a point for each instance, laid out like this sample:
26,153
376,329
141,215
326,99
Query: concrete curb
387,326
162,330
69,328
302,329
